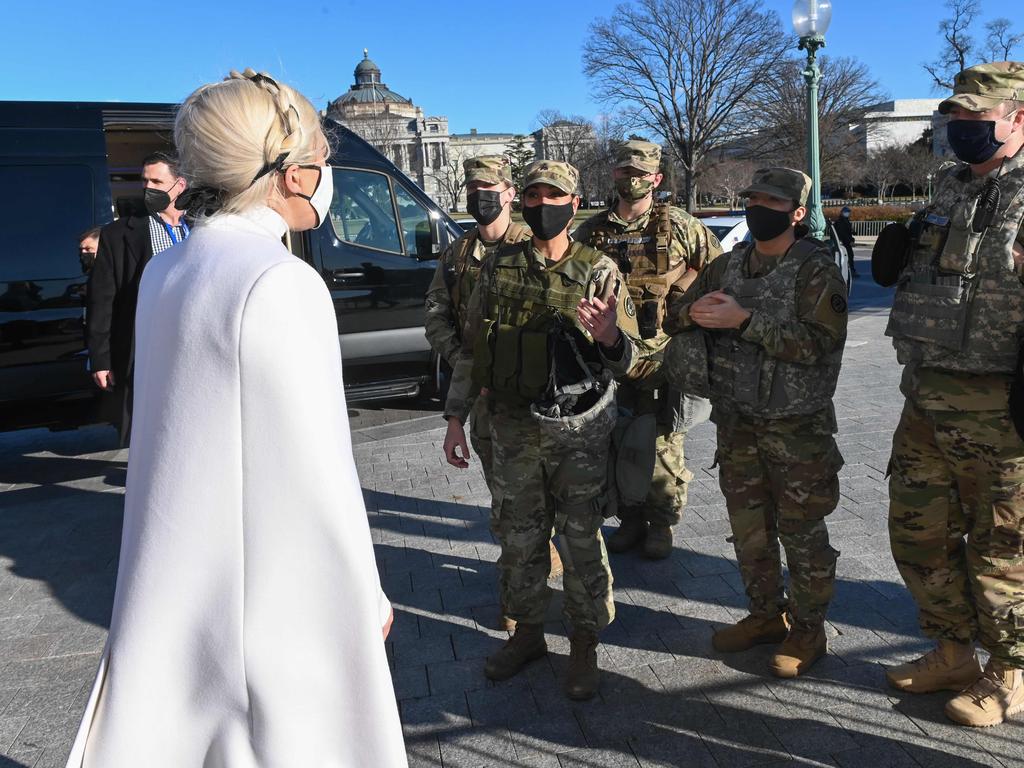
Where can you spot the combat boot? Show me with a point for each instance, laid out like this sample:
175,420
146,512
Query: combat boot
950,666
556,562
583,677
996,695
798,652
751,631
526,645
658,544
629,533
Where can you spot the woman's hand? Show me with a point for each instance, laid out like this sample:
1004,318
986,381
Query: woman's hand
718,310
387,624
599,319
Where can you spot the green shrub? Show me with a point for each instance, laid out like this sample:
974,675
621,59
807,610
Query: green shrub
873,213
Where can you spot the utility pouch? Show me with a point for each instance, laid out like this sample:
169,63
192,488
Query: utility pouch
961,242
685,363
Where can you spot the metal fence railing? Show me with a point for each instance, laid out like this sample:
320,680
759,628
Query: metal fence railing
868,228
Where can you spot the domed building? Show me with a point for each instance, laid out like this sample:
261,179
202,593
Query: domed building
394,125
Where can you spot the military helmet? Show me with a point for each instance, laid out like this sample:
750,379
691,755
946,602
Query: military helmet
581,416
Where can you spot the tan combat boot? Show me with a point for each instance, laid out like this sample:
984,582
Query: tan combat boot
751,631
996,695
658,544
629,533
556,563
583,677
950,666
798,652
526,645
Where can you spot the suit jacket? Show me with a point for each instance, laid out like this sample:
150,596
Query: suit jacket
123,253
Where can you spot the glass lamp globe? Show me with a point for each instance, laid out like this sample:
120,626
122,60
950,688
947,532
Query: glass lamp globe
811,17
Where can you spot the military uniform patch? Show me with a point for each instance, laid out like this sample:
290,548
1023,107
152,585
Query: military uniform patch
838,303
630,307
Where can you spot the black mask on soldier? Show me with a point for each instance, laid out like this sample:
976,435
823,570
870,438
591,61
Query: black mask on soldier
548,221
765,223
484,205
156,200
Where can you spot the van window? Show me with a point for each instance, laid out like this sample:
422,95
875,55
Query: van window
50,206
362,212
415,225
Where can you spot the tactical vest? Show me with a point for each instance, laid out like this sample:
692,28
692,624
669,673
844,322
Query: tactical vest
525,303
462,273
743,376
643,259
959,304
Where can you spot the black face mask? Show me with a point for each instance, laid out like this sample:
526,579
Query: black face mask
766,224
156,200
973,141
548,221
484,205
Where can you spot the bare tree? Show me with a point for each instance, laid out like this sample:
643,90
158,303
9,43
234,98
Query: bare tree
846,93
917,164
1001,43
680,69
564,137
598,160
450,178
959,46
727,178
387,132
882,170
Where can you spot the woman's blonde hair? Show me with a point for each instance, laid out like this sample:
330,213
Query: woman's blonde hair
233,136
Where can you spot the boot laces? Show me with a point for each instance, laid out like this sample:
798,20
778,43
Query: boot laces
930,660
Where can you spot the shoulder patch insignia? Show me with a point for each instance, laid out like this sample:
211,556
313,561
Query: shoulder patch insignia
838,303
630,307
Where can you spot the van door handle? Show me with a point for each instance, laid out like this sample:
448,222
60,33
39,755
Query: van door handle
346,274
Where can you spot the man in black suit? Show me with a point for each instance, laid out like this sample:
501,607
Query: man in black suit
126,246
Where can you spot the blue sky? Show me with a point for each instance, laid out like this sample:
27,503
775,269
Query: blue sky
486,65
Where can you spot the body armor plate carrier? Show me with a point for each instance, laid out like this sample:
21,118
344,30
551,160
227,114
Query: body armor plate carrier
743,377
643,259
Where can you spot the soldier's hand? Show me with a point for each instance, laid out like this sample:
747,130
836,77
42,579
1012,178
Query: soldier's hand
386,629
599,318
104,379
718,310
456,451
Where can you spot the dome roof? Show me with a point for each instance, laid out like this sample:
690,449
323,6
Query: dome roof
366,66
368,89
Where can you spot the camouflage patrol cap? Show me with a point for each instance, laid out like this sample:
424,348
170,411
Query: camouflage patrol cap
553,172
986,86
784,183
489,169
643,155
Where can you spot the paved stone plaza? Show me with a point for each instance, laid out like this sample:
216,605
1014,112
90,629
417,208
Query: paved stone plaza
667,699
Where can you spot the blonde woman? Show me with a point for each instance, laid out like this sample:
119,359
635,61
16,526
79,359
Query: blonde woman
247,622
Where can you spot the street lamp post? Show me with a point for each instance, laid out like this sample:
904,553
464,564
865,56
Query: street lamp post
930,176
810,21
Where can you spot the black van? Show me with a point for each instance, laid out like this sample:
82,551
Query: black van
67,166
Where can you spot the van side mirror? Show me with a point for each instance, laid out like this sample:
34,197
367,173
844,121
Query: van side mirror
438,238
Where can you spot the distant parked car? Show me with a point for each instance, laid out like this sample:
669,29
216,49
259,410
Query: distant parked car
729,230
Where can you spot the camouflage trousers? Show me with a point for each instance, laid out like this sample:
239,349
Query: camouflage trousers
480,435
956,525
666,499
538,486
780,482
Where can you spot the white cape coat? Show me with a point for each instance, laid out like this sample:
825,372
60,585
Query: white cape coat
246,628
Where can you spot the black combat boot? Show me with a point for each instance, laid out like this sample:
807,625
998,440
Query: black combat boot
630,532
526,645
581,682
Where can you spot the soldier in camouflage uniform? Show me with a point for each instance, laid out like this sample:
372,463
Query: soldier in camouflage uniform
773,317
956,514
657,247
489,195
523,293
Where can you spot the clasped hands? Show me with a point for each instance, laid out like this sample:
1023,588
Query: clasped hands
718,310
